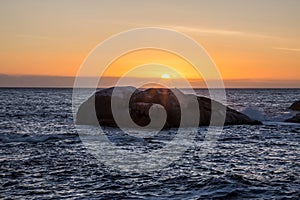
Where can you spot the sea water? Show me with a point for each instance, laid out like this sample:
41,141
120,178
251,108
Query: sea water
42,156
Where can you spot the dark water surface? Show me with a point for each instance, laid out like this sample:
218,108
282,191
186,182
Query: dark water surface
42,156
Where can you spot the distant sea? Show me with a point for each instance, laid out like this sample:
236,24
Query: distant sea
42,156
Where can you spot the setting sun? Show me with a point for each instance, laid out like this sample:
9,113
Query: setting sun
166,76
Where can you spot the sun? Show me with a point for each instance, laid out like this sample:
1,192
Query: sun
166,76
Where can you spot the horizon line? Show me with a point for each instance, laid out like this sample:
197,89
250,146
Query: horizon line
201,88
135,77
50,81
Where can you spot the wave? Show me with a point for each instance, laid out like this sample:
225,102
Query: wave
36,138
256,113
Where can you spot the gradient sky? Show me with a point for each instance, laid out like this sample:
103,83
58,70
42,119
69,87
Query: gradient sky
255,41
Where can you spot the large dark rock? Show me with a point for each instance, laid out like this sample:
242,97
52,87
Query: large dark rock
97,109
295,106
295,119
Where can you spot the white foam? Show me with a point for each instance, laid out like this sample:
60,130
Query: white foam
254,113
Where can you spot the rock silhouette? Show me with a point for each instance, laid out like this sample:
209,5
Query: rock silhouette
295,106
295,119
97,109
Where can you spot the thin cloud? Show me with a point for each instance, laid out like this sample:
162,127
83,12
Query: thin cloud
224,32
287,49
202,30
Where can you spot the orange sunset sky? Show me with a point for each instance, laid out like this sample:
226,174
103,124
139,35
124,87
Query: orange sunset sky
254,43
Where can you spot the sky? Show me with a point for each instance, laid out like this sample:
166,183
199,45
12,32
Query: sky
253,43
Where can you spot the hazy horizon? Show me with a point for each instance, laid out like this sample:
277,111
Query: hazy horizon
23,81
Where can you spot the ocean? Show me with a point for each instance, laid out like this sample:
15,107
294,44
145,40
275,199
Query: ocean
43,157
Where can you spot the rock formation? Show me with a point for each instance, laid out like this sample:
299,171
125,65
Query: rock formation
295,106
295,119
97,109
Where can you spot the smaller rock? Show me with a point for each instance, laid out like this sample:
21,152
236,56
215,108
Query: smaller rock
295,119
295,106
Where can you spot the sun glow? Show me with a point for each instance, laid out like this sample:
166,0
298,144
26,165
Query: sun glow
166,76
